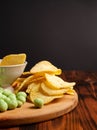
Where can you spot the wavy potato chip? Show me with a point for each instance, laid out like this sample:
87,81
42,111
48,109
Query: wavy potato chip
33,87
13,59
36,93
51,92
45,67
55,82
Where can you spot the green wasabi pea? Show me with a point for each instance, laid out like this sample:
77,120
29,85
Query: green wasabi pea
3,105
12,104
7,92
20,103
21,98
38,102
4,97
21,93
12,96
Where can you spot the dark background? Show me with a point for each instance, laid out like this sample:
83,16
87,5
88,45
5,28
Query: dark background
65,33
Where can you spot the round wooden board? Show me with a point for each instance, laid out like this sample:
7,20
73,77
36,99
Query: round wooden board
29,114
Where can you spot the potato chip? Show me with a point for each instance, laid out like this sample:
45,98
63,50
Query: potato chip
13,59
24,84
48,91
33,86
27,81
45,67
36,93
55,82
17,82
70,91
26,74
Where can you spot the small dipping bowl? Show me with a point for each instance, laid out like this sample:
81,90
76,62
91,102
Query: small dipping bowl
9,73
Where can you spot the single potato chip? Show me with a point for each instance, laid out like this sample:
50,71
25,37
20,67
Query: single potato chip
13,59
55,82
36,93
45,67
51,92
33,86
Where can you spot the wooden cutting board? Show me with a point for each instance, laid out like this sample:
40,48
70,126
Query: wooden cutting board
29,114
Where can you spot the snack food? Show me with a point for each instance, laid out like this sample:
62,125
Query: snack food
38,102
13,59
55,82
51,92
45,67
9,100
35,92
43,82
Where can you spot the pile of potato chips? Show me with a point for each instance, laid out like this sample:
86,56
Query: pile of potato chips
43,81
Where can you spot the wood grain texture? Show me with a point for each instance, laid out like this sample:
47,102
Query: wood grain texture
84,116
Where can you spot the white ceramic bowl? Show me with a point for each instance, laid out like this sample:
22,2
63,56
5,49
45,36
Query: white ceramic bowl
9,73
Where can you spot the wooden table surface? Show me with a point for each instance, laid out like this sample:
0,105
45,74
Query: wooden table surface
84,116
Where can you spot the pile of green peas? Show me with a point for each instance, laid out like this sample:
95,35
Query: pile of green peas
10,100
